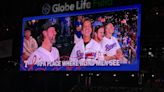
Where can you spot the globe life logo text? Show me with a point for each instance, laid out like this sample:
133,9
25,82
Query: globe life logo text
83,4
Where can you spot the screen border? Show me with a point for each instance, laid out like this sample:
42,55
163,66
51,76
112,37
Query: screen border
132,67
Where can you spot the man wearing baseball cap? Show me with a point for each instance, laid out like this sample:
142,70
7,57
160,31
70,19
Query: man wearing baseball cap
46,53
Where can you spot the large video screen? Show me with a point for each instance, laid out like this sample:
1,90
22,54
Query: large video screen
106,39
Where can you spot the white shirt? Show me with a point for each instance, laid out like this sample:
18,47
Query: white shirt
110,45
76,39
91,51
43,55
29,46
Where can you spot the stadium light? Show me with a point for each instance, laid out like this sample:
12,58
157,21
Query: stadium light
114,75
150,54
150,48
97,75
7,29
67,74
132,75
81,75
143,75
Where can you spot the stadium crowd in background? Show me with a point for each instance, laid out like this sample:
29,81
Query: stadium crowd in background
124,22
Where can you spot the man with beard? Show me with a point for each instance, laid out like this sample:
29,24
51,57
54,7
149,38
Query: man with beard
45,53
99,34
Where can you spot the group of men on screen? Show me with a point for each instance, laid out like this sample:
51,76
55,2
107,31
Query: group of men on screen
102,46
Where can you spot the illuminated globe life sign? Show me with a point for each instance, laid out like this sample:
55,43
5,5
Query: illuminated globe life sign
55,8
